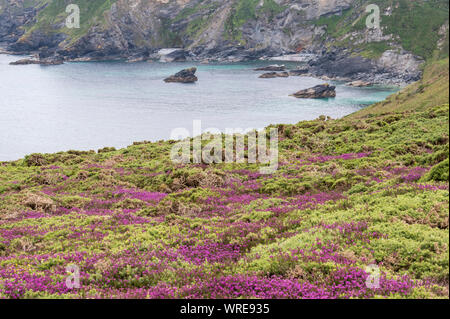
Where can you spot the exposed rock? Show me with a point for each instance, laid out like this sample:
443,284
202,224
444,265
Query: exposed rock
317,92
272,75
137,30
24,62
336,63
272,68
41,62
136,59
184,76
298,72
15,14
443,32
172,55
391,68
359,83
401,64
303,57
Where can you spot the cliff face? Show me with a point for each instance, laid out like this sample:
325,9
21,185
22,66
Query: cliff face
14,14
229,30
206,27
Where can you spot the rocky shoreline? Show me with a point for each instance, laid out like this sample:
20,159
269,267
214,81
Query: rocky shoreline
335,65
210,31
40,62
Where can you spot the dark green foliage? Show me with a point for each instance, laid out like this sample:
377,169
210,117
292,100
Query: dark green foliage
439,173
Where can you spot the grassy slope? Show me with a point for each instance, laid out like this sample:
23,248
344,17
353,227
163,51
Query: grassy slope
414,25
430,91
369,188
245,10
91,13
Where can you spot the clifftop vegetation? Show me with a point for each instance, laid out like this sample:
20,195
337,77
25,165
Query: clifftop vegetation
371,188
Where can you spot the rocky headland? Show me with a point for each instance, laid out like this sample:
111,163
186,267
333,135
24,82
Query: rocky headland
328,36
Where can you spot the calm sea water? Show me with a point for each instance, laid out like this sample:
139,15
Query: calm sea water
87,106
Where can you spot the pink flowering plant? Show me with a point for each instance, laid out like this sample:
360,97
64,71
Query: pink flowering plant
347,194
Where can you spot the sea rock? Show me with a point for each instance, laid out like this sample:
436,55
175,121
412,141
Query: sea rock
272,75
184,76
359,84
318,92
41,62
272,68
298,72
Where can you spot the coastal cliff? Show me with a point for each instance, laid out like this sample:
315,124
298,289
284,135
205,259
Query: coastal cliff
332,33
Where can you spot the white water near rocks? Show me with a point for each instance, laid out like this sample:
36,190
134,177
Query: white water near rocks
91,105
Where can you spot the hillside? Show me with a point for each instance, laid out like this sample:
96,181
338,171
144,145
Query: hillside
368,189
431,90
236,30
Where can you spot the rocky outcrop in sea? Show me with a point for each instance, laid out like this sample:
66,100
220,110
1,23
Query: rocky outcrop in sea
317,92
272,75
41,62
184,76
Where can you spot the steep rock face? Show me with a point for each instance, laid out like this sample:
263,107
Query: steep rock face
400,63
13,15
221,29
393,67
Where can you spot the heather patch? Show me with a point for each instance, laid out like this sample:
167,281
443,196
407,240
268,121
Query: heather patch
348,193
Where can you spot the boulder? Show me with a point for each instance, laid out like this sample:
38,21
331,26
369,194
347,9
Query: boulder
272,68
184,76
318,92
272,75
359,84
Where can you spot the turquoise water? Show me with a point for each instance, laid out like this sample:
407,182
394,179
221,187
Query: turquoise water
91,105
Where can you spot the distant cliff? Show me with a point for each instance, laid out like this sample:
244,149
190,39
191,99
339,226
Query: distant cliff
233,30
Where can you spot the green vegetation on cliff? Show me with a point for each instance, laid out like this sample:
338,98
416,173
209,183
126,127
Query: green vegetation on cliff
431,90
415,24
246,10
91,13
